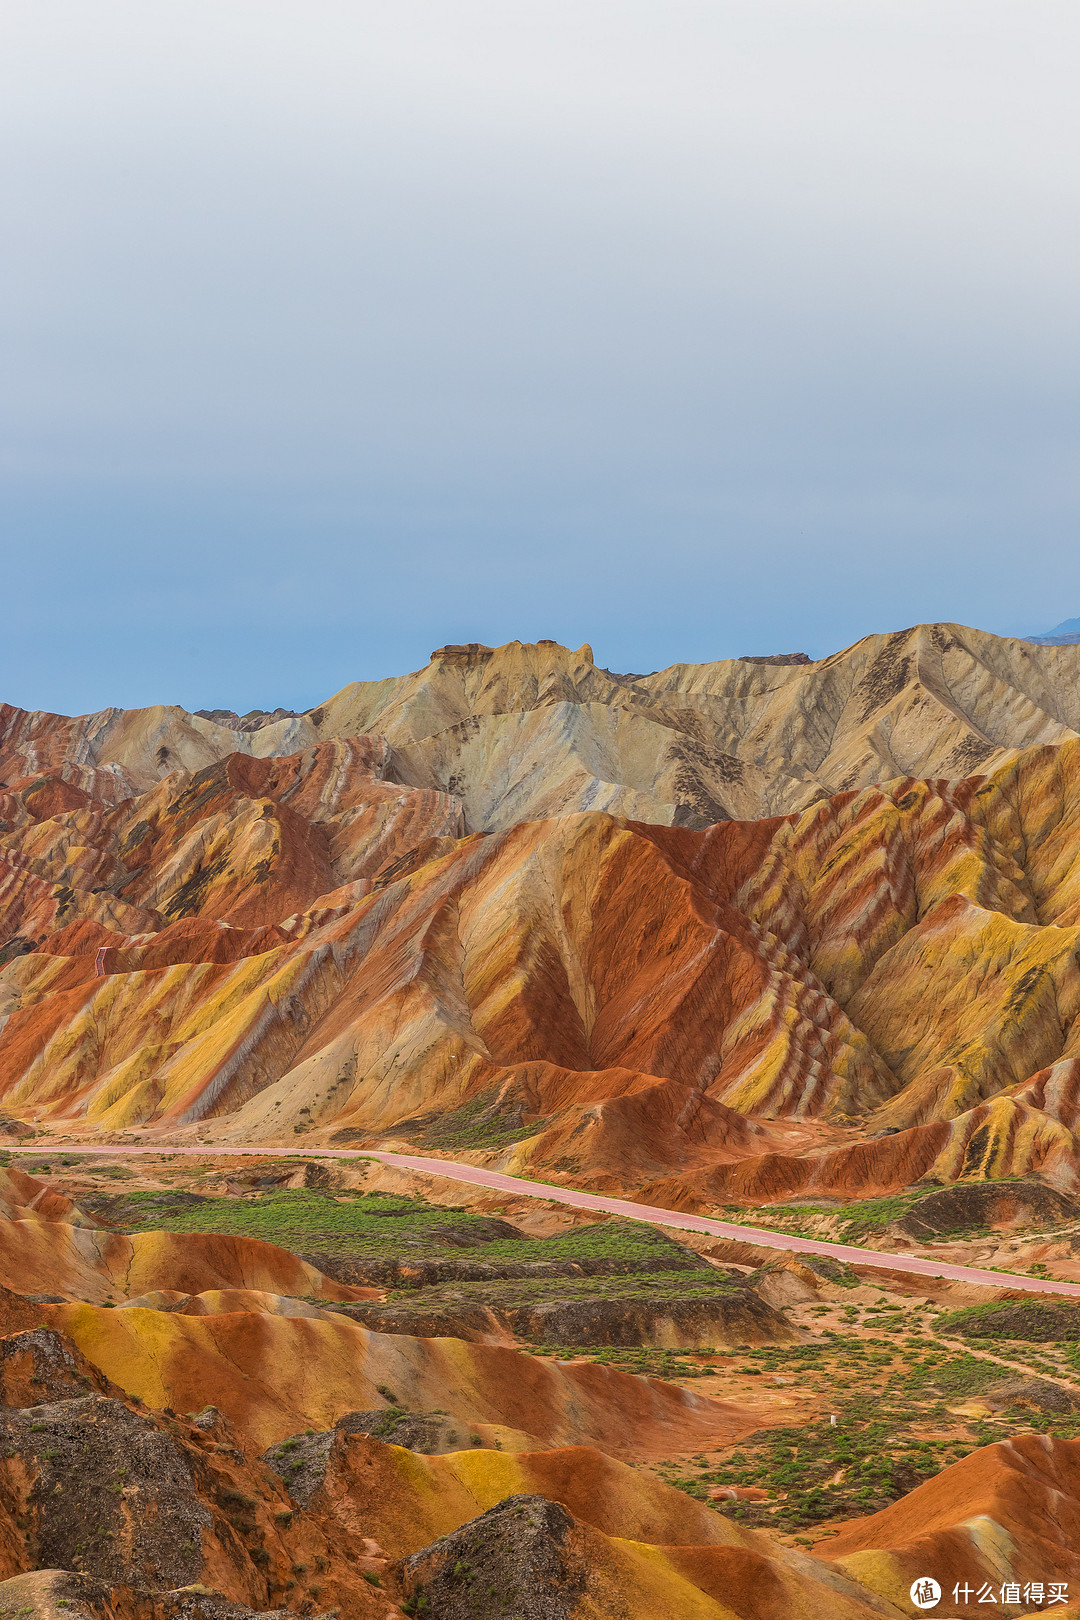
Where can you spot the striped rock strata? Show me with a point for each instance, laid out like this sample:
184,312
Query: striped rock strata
530,731
879,988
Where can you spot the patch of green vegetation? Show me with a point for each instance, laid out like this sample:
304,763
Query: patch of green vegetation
873,1454
917,1369
882,1392
356,1225
834,1271
820,1471
871,1216
953,1376
790,1211
515,1293
632,1241
392,1420
1031,1320
482,1122
644,1361
303,1219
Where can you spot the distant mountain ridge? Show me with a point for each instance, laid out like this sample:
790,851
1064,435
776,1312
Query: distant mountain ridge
1065,634
531,730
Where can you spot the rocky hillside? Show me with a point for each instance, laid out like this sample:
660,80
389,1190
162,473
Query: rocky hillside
253,1449
881,989
520,732
878,988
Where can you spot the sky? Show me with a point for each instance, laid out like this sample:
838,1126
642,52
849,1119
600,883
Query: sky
335,330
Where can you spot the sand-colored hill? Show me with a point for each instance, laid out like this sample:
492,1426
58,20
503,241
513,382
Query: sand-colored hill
26,1198
54,1257
528,731
406,1501
273,1375
647,1548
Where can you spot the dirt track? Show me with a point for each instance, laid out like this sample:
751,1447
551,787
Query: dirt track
498,1182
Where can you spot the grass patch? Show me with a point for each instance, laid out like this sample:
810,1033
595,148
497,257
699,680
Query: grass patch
1042,1321
883,1394
645,1362
299,1218
482,1122
656,1287
359,1225
871,1216
632,1241
819,1472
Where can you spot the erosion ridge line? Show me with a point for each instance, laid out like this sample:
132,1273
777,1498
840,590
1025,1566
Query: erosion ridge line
689,744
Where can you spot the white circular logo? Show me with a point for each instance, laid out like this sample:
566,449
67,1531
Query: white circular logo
925,1593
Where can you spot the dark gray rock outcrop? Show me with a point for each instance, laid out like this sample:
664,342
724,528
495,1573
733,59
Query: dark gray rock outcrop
526,1552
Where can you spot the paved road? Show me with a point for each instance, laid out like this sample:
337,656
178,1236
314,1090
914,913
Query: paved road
616,1206
725,1229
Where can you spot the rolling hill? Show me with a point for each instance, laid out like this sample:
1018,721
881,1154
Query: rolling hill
517,906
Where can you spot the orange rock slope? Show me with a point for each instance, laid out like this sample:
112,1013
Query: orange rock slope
51,1257
879,988
111,1509
1009,1512
117,1504
89,1409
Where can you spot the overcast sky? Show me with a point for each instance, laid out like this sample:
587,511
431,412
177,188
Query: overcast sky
334,330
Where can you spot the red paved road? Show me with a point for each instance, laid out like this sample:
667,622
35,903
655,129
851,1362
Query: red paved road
617,1206
725,1229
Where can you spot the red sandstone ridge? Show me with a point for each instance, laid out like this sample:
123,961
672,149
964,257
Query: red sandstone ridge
1023,1494
877,989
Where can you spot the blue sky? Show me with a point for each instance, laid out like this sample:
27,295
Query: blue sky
337,330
